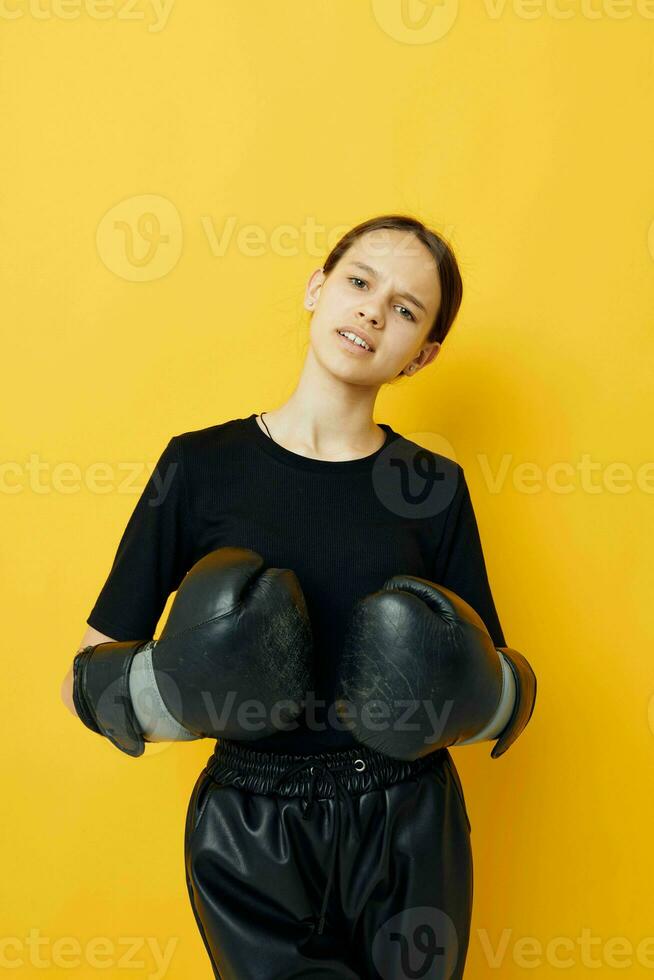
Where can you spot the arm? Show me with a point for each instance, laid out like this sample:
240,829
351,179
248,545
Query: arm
461,567
238,635
152,557
438,647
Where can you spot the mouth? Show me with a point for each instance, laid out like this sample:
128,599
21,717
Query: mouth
360,345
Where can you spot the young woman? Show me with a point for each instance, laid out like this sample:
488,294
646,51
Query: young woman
309,853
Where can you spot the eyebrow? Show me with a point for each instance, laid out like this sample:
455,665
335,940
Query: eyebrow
373,272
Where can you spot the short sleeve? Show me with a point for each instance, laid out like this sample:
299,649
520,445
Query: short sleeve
460,564
153,555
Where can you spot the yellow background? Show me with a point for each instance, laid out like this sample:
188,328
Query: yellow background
131,141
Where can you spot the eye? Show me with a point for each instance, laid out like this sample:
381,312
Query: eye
353,279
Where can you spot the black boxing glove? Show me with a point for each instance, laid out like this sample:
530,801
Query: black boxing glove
238,638
419,671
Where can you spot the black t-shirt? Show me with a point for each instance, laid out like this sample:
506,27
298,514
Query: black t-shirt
342,527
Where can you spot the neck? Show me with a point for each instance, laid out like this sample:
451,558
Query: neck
326,417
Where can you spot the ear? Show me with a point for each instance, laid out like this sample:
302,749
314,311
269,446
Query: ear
432,351
425,357
313,289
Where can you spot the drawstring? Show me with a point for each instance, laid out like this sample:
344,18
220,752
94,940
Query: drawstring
340,794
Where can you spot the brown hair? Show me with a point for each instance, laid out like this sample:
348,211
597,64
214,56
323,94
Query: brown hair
446,264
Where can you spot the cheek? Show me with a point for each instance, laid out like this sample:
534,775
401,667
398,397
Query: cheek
330,313
398,349
321,329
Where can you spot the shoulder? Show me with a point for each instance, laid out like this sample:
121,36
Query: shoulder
212,451
413,449
197,442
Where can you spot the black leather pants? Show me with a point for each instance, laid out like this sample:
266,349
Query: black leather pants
340,864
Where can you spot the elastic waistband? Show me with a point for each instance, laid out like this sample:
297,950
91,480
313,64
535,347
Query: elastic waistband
338,774
359,769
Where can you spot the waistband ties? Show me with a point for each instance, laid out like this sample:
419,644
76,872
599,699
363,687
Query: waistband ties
341,794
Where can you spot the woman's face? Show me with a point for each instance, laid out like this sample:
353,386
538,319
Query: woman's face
386,289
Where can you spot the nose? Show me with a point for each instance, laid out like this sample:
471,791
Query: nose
371,319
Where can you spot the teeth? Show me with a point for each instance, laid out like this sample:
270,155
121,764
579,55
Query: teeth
356,339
